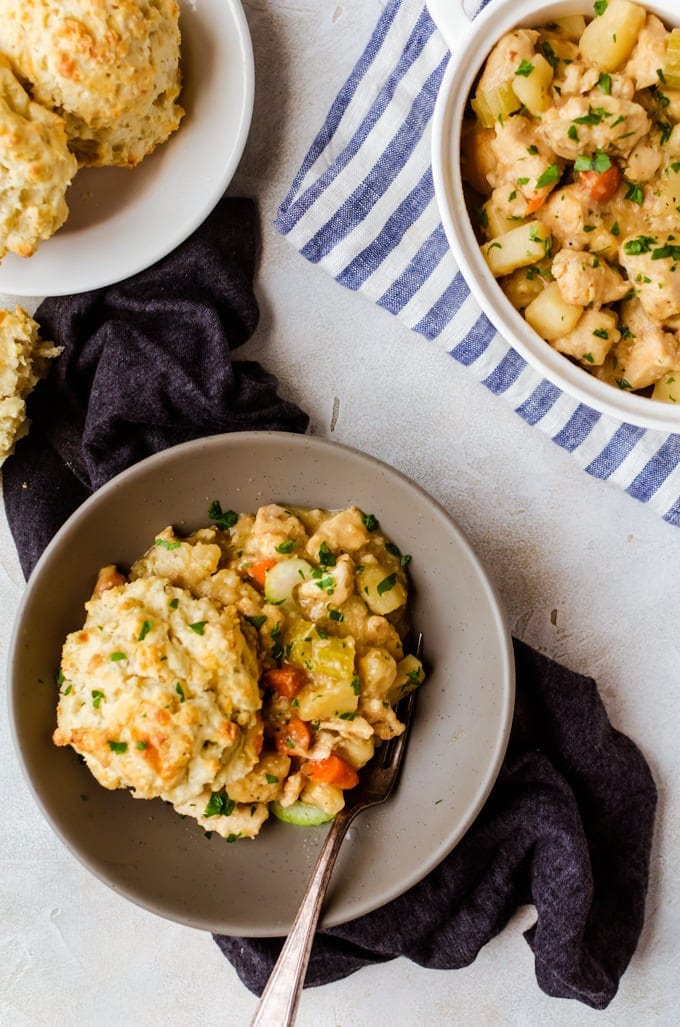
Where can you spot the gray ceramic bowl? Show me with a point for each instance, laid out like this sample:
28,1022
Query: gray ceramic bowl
164,862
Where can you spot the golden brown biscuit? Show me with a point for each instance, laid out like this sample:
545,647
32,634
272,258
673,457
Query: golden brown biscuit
24,360
37,168
111,69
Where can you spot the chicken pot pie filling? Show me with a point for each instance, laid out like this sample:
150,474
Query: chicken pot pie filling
251,667
571,160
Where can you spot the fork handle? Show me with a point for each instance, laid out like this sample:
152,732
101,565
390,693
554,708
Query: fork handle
281,995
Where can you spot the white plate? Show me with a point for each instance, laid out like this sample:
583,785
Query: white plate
122,220
144,850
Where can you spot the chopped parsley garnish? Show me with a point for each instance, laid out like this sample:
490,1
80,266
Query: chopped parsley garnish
164,544
60,677
589,357
643,244
370,522
68,689
336,615
626,332
392,549
550,175
599,7
549,54
119,747
666,252
605,83
356,686
327,557
593,117
116,656
525,69
321,633
623,384
615,230
271,779
662,100
286,547
666,130
97,697
347,716
173,604
257,622
406,559
198,626
635,193
222,518
231,837
533,150
386,584
573,133
180,691
599,163
219,805
144,630
141,745
522,181
601,333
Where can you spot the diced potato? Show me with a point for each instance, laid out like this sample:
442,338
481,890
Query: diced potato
534,89
326,797
494,104
496,221
609,39
667,389
477,158
571,27
590,342
521,247
380,590
550,315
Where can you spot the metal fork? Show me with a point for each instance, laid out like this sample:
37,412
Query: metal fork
281,995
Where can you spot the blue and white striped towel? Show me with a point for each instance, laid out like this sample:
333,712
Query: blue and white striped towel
363,207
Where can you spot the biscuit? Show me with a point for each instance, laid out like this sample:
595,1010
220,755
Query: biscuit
163,695
24,359
37,168
110,69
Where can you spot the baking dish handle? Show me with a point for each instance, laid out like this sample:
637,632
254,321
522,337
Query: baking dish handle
451,20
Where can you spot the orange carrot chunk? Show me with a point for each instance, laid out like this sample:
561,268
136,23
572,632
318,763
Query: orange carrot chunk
332,771
286,680
258,570
600,186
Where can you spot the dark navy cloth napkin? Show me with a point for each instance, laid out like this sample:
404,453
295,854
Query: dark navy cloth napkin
146,365
567,827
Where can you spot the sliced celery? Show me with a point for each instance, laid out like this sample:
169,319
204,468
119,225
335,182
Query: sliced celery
671,67
495,103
